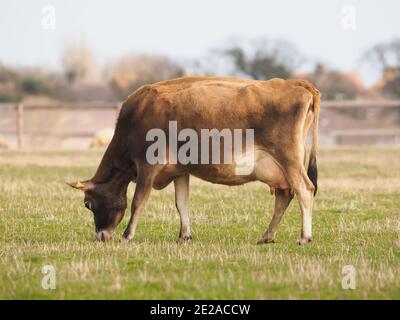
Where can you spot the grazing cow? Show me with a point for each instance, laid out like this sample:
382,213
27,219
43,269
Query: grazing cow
279,111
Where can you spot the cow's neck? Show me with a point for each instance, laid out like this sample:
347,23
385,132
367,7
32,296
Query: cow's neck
115,168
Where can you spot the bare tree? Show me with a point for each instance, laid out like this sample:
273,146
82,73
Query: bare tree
386,57
77,59
133,70
377,55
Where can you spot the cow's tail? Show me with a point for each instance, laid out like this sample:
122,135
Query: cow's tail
312,170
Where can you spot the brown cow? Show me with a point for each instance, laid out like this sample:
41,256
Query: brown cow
279,111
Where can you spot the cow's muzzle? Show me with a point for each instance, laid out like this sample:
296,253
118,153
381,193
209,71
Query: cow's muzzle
104,235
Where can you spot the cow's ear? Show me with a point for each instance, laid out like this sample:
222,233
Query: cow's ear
84,186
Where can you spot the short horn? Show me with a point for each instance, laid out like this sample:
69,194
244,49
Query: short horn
86,185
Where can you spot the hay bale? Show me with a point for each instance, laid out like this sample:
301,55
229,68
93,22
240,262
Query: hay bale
101,138
3,143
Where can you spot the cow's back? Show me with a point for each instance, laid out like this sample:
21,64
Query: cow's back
211,102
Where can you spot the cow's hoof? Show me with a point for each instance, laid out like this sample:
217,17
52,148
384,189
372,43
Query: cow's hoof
303,241
265,241
126,237
185,239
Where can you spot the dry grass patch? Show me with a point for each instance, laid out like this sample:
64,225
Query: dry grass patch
356,222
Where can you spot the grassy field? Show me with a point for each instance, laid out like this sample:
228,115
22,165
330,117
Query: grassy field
356,222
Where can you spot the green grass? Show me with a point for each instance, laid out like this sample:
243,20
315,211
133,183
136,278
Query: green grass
356,222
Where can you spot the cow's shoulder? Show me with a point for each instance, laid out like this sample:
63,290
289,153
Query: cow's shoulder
138,101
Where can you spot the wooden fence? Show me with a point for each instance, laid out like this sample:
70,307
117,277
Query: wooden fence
355,122
339,134
20,118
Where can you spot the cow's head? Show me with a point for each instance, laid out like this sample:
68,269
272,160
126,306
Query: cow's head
108,204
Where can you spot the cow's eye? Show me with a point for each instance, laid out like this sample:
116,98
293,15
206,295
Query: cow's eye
88,205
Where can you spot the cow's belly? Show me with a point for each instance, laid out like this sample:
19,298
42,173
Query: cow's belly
220,174
262,167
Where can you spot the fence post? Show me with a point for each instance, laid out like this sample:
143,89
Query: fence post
20,125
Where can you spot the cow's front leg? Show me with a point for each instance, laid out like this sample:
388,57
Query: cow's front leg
182,204
144,184
282,201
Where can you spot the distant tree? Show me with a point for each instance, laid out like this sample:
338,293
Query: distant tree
335,85
7,74
9,91
33,86
16,84
77,60
133,70
386,57
263,59
8,98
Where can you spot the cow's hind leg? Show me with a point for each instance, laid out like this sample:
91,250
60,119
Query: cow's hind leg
304,190
181,184
282,201
144,184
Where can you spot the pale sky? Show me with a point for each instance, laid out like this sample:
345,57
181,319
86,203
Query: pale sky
185,29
